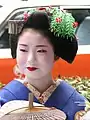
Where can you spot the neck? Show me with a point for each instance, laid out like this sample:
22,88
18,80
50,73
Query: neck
41,84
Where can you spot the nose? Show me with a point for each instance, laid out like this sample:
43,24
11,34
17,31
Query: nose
31,57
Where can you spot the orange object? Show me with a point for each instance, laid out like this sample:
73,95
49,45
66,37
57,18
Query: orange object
6,70
80,67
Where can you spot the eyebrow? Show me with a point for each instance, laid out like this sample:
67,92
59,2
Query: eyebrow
41,46
23,45
36,45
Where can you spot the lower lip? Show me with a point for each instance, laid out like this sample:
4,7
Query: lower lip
31,68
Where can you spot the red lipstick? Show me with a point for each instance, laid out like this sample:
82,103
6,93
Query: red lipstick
31,68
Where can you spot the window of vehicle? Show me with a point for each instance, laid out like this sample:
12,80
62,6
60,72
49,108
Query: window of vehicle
4,35
4,39
82,16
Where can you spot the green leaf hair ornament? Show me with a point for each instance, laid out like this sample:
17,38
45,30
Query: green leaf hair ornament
62,24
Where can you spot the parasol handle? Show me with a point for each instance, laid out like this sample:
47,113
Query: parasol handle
31,98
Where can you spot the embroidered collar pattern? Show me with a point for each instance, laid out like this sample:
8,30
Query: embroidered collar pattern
45,95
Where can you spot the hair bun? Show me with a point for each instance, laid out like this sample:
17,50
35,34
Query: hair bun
38,20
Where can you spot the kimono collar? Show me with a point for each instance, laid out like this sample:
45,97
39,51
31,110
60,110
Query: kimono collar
42,98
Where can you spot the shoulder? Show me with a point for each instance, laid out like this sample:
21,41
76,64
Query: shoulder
64,88
69,96
15,87
70,92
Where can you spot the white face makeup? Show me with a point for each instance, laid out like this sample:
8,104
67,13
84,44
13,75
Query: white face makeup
35,55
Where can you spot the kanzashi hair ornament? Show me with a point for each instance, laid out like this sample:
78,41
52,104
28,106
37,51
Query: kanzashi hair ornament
62,24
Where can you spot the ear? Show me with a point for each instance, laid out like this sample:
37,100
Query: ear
16,70
56,57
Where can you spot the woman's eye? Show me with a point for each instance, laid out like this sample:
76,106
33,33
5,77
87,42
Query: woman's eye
23,50
42,51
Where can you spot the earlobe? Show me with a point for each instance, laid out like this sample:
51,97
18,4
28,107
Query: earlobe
16,70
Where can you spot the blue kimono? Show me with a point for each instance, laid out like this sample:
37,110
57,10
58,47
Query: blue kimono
64,97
